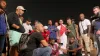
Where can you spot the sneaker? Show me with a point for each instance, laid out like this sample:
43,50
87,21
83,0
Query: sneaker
83,54
88,54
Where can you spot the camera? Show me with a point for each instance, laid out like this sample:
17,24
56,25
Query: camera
60,44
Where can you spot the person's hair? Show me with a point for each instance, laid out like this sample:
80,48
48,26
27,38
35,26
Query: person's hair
49,20
96,7
0,3
2,0
68,18
60,19
28,20
51,39
37,24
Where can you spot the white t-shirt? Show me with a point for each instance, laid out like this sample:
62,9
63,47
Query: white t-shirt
27,27
83,25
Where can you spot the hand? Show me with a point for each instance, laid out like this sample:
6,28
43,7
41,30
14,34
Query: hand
74,54
78,38
52,29
1,11
98,32
58,40
17,27
68,30
75,50
7,35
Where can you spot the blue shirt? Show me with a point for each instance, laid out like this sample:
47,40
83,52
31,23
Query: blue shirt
97,25
53,30
3,26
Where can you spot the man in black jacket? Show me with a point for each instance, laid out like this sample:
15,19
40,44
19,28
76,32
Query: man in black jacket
96,24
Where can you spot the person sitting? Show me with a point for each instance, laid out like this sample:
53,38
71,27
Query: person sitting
74,48
46,33
54,46
34,47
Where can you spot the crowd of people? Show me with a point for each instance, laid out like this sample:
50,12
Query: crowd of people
19,38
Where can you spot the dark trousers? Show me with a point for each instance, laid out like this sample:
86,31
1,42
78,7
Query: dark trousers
98,43
79,53
42,51
2,41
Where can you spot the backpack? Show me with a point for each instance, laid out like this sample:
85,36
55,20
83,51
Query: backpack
23,42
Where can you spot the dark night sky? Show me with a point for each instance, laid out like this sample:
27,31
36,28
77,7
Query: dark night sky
54,9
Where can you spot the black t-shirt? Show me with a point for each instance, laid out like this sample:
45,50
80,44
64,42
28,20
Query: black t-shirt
34,41
14,19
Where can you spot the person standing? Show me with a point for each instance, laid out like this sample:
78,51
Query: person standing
16,29
85,28
73,29
61,36
52,30
96,26
3,25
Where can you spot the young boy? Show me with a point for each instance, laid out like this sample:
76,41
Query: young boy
46,33
54,47
74,48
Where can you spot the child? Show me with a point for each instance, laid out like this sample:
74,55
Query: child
54,47
46,33
74,47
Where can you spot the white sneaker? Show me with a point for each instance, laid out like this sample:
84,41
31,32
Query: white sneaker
83,54
88,54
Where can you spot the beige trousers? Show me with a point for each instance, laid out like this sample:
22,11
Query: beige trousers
86,40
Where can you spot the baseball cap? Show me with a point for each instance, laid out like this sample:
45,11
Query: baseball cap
45,27
20,7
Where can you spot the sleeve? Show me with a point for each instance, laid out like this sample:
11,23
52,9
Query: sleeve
31,28
55,28
88,22
50,29
24,27
39,37
11,19
93,22
58,27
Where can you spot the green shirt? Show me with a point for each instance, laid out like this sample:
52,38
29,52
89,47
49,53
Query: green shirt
72,29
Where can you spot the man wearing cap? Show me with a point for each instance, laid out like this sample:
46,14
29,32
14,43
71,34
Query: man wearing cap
15,24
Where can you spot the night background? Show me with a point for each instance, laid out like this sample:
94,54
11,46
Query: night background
43,10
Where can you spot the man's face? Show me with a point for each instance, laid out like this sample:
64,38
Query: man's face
82,16
68,21
3,4
28,22
50,22
60,22
52,42
21,12
56,24
96,10
40,28
72,40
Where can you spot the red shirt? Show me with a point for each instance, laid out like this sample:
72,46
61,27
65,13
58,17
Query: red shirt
55,51
46,35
